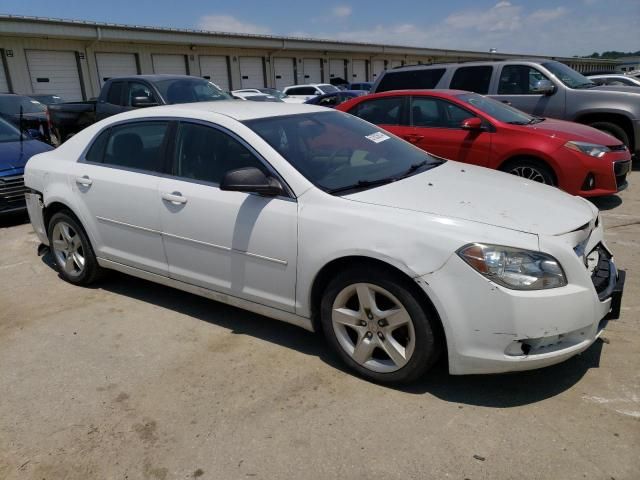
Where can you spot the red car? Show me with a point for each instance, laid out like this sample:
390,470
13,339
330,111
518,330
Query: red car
471,128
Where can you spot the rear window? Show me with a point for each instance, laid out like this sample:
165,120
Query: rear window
410,79
472,79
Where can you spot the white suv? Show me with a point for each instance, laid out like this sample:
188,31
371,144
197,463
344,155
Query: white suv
310,90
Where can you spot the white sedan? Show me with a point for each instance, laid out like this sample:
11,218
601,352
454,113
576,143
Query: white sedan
320,219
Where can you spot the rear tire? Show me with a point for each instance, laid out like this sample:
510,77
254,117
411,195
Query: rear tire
71,250
531,169
377,325
613,129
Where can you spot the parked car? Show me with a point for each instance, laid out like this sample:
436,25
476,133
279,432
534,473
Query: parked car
27,114
127,93
471,128
48,99
616,80
361,86
271,91
543,88
254,97
15,149
306,92
317,218
334,99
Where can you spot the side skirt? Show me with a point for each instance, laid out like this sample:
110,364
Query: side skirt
210,294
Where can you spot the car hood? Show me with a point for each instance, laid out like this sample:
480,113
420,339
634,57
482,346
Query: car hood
562,130
460,191
15,156
617,88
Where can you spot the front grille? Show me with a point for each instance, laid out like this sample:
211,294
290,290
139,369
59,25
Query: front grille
12,192
617,148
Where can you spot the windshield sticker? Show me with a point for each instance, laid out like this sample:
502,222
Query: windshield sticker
377,137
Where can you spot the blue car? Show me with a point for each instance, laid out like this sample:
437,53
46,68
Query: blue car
333,99
15,150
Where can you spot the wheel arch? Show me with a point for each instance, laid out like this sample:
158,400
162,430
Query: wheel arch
328,271
529,157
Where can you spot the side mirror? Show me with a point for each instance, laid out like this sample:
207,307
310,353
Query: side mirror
473,123
141,102
251,180
544,87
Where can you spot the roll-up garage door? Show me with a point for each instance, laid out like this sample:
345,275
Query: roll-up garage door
336,69
216,69
4,83
359,73
171,64
54,72
283,69
312,70
251,72
112,65
377,67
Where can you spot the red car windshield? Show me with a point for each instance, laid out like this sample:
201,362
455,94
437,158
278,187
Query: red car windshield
498,110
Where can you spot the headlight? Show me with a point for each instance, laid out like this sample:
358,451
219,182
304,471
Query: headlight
514,268
590,149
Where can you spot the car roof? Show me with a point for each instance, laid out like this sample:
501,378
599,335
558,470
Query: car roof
311,85
606,75
435,92
469,64
236,109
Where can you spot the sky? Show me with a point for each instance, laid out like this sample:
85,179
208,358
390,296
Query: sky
545,27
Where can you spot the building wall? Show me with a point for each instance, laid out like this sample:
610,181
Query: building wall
19,35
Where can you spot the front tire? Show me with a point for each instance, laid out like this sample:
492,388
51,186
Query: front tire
71,249
531,169
376,324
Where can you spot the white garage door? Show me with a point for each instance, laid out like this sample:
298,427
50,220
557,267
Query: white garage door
251,72
54,72
115,65
336,68
283,70
216,69
359,73
4,84
171,64
377,67
312,70
395,63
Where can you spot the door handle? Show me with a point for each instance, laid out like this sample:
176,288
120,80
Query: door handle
176,198
85,181
413,138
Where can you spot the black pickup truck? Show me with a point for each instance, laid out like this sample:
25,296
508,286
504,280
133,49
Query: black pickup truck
126,93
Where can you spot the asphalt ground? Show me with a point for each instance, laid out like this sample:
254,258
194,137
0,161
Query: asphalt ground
132,380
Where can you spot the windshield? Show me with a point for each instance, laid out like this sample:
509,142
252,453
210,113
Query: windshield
568,75
9,133
188,90
498,110
273,92
336,151
10,105
328,88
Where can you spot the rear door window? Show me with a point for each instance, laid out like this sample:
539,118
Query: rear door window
410,79
114,96
472,79
137,145
519,80
381,111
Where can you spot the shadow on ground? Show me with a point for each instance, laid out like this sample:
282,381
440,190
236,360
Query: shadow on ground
13,219
499,391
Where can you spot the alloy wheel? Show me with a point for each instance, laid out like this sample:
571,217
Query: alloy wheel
530,173
373,327
68,249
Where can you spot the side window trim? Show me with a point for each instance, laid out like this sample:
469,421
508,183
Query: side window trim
172,157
